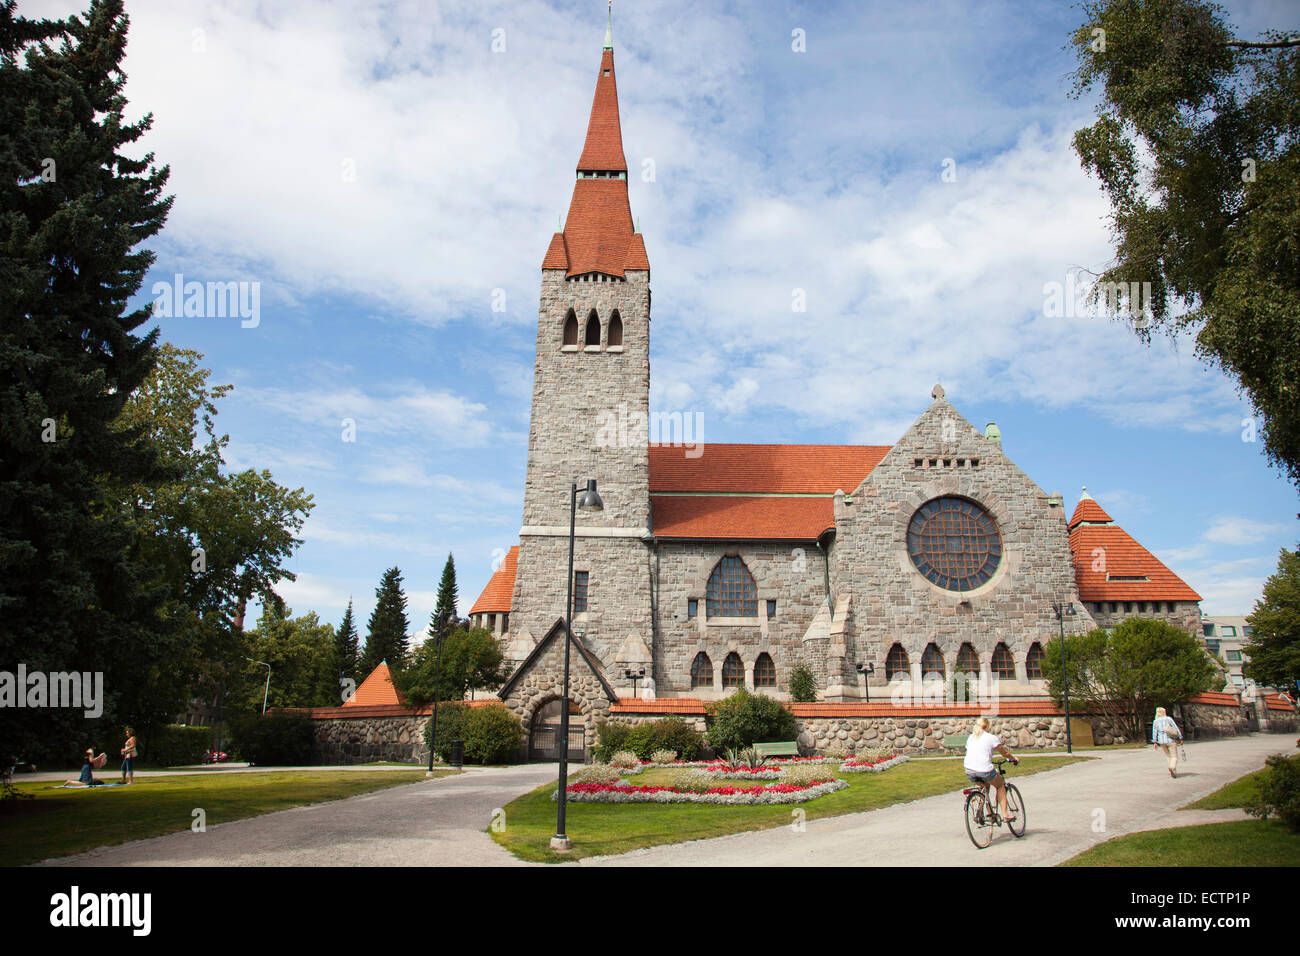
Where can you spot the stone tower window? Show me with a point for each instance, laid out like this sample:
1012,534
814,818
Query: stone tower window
954,543
615,330
731,591
897,666
579,591
593,329
733,671
1034,662
764,671
932,662
1004,665
571,329
701,671
968,662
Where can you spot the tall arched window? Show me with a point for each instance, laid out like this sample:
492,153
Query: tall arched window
1004,665
1034,662
571,329
733,671
701,671
932,661
615,329
897,666
968,662
731,591
764,671
593,329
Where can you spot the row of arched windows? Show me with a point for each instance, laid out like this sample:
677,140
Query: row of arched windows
733,671
898,666
591,331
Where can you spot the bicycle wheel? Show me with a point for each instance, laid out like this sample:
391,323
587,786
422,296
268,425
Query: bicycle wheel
979,820
1016,805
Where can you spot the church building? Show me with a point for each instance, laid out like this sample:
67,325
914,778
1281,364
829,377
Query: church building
721,566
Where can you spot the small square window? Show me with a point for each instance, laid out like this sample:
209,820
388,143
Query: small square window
692,607
1234,655
771,609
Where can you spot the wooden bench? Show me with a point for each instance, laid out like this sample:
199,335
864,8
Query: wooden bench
784,748
954,741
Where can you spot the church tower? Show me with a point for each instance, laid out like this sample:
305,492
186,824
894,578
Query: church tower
591,395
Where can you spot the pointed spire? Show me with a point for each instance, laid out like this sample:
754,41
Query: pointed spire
609,29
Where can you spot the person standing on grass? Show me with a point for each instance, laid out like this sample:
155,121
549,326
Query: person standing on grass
128,757
1166,736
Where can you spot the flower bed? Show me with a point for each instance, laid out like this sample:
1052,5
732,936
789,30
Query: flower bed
718,764
730,796
876,766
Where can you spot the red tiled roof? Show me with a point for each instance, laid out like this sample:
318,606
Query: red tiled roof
377,690
495,598
1278,702
1215,698
350,712
1114,553
661,705
741,518
603,149
763,469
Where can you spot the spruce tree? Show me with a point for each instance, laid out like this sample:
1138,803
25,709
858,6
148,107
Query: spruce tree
386,640
444,619
74,208
1274,648
346,653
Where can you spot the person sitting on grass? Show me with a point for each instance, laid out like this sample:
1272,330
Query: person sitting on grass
87,778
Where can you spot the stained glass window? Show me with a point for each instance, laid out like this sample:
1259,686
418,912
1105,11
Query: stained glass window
731,592
954,543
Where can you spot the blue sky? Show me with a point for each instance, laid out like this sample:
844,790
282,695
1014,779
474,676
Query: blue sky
387,176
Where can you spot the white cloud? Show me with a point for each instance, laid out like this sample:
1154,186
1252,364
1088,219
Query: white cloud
1234,529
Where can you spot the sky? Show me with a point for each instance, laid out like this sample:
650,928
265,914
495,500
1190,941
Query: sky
390,176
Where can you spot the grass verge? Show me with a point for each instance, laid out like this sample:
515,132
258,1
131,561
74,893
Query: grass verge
598,829
1238,793
1232,843
62,822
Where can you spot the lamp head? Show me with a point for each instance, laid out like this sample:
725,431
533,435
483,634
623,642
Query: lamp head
590,500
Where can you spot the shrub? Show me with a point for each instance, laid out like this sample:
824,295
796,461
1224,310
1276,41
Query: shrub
803,685
669,733
663,756
873,754
744,719
281,738
174,745
689,780
625,758
492,734
610,739
595,773
452,716
749,758
640,740
806,774
1279,792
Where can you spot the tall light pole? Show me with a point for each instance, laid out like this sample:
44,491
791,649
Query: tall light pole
437,680
590,502
1061,611
266,692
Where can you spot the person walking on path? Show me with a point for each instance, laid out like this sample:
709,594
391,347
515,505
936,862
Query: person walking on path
1166,736
128,757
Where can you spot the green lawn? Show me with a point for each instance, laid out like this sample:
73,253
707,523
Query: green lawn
1236,794
60,822
1234,843
604,828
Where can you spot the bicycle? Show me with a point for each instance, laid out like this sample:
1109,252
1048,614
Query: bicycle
982,811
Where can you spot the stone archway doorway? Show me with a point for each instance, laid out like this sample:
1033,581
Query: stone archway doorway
544,734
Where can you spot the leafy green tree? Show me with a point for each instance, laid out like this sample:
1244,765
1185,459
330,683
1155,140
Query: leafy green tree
744,719
300,651
803,684
1274,647
1197,145
74,208
1126,674
472,660
386,640
347,655
444,619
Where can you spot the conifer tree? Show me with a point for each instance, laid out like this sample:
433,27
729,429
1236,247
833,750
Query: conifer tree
386,640
346,652
444,619
1274,648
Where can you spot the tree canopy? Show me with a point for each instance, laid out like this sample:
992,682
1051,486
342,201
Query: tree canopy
1274,647
472,660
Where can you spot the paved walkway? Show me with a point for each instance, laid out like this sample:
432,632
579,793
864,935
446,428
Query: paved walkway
1069,810
439,822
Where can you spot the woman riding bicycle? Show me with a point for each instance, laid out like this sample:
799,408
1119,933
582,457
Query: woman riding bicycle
979,761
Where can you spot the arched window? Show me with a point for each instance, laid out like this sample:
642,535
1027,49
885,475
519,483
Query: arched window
571,329
701,671
733,671
897,666
968,662
1034,662
932,661
593,329
764,671
1004,665
615,329
731,591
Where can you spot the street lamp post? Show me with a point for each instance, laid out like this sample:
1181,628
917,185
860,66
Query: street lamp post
267,691
866,670
437,679
590,502
1061,611
634,675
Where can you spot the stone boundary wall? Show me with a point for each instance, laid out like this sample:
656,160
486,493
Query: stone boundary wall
352,740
